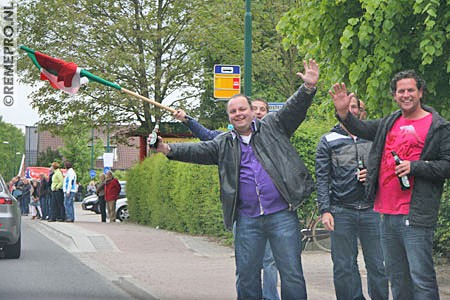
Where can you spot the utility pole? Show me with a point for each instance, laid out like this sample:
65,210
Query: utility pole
248,49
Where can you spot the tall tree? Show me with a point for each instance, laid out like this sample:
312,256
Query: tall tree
45,158
140,44
222,42
364,42
12,145
77,139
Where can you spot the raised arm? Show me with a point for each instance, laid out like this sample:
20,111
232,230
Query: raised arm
292,114
363,129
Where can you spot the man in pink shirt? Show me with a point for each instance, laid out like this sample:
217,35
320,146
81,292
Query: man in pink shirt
421,139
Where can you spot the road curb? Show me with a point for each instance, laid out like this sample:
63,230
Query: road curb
125,282
62,239
133,287
77,243
74,238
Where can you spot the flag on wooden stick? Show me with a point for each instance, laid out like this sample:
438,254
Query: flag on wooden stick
67,76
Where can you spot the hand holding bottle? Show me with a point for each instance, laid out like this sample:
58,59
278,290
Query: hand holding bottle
361,172
402,170
361,175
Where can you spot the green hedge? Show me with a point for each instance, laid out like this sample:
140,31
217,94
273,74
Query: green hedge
442,235
176,196
185,197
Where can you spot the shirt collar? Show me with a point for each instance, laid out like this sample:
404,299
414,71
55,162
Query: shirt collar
253,127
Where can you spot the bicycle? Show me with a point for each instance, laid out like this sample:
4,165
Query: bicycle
315,232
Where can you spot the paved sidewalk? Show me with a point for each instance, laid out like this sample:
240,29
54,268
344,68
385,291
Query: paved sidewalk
156,264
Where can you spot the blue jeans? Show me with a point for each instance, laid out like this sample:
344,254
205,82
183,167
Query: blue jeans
270,278
282,231
349,225
44,206
409,259
24,205
68,206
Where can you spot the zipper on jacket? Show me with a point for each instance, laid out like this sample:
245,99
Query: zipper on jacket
237,163
356,158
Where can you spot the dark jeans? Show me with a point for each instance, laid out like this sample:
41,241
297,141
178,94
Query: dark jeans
409,259
270,278
44,201
24,202
349,226
102,204
51,207
58,211
282,231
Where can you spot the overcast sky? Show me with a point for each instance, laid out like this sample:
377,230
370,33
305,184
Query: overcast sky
20,112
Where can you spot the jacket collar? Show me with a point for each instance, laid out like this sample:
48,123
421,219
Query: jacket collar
254,126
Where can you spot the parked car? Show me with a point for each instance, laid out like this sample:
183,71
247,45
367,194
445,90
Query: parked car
91,203
10,223
122,209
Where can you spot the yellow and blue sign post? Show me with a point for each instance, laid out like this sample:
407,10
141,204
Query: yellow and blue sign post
227,81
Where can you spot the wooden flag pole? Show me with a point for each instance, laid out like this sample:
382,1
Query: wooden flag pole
100,80
148,100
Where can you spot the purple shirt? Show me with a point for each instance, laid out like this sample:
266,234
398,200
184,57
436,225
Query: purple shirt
258,194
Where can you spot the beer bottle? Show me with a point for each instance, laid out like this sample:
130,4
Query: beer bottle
361,163
361,166
404,180
153,137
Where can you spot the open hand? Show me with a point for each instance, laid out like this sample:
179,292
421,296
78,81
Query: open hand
311,75
341,99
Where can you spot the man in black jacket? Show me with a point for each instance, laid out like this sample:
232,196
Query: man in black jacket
421,138
341,174
262,182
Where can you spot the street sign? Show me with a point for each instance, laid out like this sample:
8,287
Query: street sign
275,106
92,173
106,169
227,81
108,159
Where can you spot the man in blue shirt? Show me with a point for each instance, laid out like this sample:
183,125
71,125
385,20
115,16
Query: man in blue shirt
262,182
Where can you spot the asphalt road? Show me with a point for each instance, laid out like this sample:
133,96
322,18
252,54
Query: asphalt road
47,271
146,262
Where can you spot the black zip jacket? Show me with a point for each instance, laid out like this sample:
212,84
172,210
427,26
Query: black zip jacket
429,172
337,158
271,144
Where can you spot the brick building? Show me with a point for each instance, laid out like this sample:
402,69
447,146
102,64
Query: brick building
125,154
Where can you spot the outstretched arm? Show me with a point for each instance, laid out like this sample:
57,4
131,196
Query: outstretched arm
203,133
